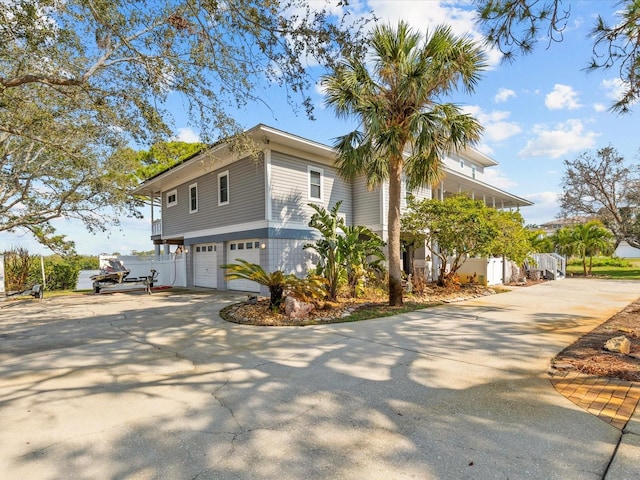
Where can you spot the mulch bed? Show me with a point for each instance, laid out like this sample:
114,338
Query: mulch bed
587,355
261,314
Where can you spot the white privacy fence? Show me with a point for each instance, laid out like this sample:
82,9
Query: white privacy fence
171,268
485,271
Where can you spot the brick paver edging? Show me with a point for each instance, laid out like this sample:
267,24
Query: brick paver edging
610,399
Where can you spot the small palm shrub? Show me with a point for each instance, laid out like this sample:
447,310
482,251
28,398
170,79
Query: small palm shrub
278,282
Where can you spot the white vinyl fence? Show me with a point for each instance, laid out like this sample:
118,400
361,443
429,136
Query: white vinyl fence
485,271
172,268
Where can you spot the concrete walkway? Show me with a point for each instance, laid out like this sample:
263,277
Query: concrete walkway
137,386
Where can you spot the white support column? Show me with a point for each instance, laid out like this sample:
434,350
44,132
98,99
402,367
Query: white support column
267,187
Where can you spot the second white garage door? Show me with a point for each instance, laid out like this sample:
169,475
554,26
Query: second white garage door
205,266
248,250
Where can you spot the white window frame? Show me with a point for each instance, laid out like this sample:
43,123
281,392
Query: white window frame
311,169
170,193
220,175
191,187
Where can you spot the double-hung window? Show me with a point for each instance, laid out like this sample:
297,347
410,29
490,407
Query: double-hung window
193,198
223,188
315,183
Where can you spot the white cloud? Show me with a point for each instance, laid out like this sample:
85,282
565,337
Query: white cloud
614,88
503,95
484,148
562,97
460,16
186,134
495,177
500,131
496,126
556,141
545,207
599,107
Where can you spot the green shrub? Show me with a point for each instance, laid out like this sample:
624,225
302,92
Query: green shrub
602,262
60,273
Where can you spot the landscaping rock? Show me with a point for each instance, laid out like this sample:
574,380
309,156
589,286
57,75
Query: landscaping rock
296,309
619,344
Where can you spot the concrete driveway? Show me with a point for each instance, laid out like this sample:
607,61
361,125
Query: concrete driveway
149,387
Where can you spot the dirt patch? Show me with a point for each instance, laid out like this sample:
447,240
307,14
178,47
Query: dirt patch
588,356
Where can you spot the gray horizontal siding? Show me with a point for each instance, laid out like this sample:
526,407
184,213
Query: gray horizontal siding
246,200
290,190
366,204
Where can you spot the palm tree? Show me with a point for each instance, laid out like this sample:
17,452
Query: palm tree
591,239
396,105
585,240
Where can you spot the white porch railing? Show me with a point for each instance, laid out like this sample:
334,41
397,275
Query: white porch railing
551,264
156,227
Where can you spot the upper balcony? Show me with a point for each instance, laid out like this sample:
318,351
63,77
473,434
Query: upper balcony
156,227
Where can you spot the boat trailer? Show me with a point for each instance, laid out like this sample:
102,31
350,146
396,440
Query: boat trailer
114,273
37,291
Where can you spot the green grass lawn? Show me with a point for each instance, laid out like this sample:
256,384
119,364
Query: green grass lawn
631,272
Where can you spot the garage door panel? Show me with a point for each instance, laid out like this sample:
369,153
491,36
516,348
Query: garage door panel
248,250
205,265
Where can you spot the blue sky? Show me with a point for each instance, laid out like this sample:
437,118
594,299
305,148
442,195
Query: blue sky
538,111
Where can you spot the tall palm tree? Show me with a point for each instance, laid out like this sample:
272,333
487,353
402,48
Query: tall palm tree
403,129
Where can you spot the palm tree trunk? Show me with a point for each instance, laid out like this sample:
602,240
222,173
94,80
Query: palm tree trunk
395,260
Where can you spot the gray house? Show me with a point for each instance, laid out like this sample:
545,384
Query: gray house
219,206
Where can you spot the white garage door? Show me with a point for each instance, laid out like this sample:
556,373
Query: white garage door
205,265
248,250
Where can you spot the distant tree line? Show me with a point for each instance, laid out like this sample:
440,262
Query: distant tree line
23,270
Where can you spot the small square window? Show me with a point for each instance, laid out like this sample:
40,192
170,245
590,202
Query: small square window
249,245
241,246
197,249
209,248
172,198
233,246
256,244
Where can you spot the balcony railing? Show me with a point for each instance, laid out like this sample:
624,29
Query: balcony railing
156,227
